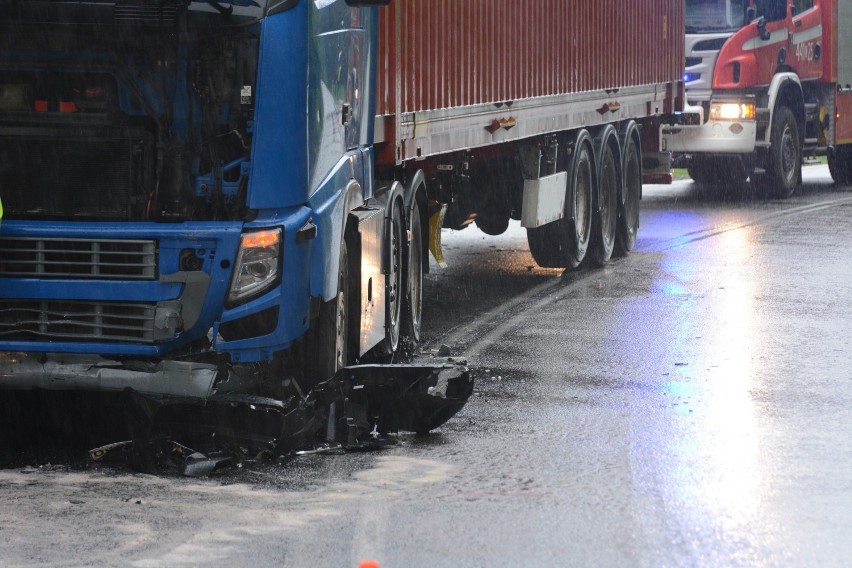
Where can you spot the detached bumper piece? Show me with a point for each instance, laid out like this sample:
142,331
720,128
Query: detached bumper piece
366,402
356,409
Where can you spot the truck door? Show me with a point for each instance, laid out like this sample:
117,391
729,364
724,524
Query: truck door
805,52
770,41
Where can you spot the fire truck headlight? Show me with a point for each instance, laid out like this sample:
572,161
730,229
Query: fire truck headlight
258,265
732,111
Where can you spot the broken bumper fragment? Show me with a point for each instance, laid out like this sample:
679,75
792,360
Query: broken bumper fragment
198,400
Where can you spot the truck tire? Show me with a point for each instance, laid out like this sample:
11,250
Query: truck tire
564,243
701,170
395,283
413,308
606,219
784,160
329,348
628,212
840,164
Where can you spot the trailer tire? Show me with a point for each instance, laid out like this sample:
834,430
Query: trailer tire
784,160
564,243
413,309
628,214
605,220
332,333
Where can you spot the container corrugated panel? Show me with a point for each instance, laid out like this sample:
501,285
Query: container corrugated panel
442,54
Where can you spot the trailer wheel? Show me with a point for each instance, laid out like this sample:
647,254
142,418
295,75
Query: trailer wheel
606,219
563,243
628,215
332,334
413,278
784,161
840,164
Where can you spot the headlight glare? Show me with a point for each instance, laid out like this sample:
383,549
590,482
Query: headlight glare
732,111
258,265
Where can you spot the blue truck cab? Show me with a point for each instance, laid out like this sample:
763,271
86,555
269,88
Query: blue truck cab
190,197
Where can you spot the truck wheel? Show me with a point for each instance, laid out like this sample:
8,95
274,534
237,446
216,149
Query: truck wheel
784,161
563,243
701,170
606,219
735,170
840,164
394,289
628,213
413,278
330,350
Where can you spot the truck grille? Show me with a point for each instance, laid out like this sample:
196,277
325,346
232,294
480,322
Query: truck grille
79,258
145,13
25,320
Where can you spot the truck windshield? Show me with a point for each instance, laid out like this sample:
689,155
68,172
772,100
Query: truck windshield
712,16
131,12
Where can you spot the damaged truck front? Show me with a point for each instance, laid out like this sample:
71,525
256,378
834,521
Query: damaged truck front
180,190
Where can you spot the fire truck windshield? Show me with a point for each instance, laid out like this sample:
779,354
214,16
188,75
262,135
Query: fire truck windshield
713,16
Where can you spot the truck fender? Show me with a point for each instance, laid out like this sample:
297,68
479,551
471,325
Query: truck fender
786,88
606,135
415,192
394,193
349,200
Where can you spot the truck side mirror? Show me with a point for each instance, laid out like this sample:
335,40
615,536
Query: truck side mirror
749,14
761,29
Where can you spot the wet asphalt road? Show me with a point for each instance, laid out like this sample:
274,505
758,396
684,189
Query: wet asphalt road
686,406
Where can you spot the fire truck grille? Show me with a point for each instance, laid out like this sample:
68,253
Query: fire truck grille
28,320
79,258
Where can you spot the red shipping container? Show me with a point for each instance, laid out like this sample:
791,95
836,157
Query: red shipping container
452,55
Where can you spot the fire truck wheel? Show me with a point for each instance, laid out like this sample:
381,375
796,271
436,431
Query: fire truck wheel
606,219
784,161
564,243
701,170
413,278
735,170
840,164
628,214
329,349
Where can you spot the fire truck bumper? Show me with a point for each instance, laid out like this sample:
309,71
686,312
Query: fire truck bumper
712,137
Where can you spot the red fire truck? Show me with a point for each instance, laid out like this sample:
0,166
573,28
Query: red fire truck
767,81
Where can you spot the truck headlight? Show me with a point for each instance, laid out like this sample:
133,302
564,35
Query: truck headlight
258,265
732,111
